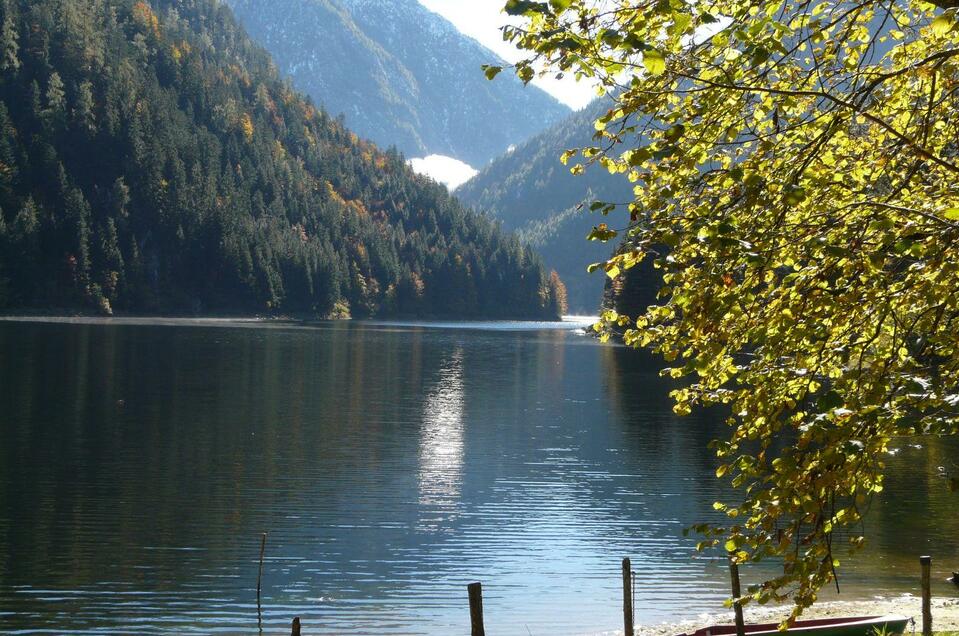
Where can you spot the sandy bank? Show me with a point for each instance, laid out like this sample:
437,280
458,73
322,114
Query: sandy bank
945,614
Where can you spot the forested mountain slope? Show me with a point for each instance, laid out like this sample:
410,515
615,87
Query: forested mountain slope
401,74
151,160
536,195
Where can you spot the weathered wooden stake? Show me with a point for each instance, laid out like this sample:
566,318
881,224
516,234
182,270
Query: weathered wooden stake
259,576
926,563
627,598
296,626
737,592
476,609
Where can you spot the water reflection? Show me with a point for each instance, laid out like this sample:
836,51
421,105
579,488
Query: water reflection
441,437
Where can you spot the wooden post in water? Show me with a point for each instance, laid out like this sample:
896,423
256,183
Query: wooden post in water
926,563
737,592
296,626
476,609
627,598
259,576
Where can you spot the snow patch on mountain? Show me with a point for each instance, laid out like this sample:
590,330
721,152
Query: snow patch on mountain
446,170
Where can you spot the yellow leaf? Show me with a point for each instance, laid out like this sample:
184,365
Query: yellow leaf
654,61
942,25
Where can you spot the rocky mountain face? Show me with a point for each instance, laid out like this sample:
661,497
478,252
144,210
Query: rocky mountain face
400,74
533,193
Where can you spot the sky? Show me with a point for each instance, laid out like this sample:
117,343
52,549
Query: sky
482,19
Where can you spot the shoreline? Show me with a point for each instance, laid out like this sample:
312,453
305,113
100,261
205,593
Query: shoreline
945,615
94,318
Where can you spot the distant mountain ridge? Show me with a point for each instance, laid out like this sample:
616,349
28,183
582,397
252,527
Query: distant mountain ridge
534,194
401,74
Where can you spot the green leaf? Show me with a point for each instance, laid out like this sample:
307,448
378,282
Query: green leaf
673,133
829,401
794,195
523,7
602,233
952,214
611,37
654,61
638,156
681,22
491,71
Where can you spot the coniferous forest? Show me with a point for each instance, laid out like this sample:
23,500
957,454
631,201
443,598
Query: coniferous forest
151,160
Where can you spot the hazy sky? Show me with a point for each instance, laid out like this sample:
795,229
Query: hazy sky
481,20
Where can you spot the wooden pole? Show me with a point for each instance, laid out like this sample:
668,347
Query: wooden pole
737,592
259,576
476,609
627,598
259,579
926,563
296,626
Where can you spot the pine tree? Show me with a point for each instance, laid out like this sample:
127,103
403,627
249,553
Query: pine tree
84,114
22,249
9,47
56,95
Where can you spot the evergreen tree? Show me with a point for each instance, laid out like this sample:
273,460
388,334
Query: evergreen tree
56,95
9,47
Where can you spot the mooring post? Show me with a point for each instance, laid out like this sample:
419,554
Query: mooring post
926,563
259,579
296,626
476,609
259,576
627,598
737,592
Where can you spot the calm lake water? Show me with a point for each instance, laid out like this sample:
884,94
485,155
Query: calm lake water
391,464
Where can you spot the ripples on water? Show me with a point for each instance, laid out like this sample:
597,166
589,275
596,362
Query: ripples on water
391,464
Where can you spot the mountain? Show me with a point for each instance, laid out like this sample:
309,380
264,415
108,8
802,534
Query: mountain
533,193
401,74
151,160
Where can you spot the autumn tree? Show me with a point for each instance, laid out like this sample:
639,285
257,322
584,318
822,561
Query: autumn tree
795,169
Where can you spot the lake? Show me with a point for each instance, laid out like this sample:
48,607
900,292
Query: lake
390,464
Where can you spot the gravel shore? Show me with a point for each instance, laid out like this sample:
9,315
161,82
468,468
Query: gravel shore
945,614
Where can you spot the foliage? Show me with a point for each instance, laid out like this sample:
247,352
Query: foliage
795,185
152,161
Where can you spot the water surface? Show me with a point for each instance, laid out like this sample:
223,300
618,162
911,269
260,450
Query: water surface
390,463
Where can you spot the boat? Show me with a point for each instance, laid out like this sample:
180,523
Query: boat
854,626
